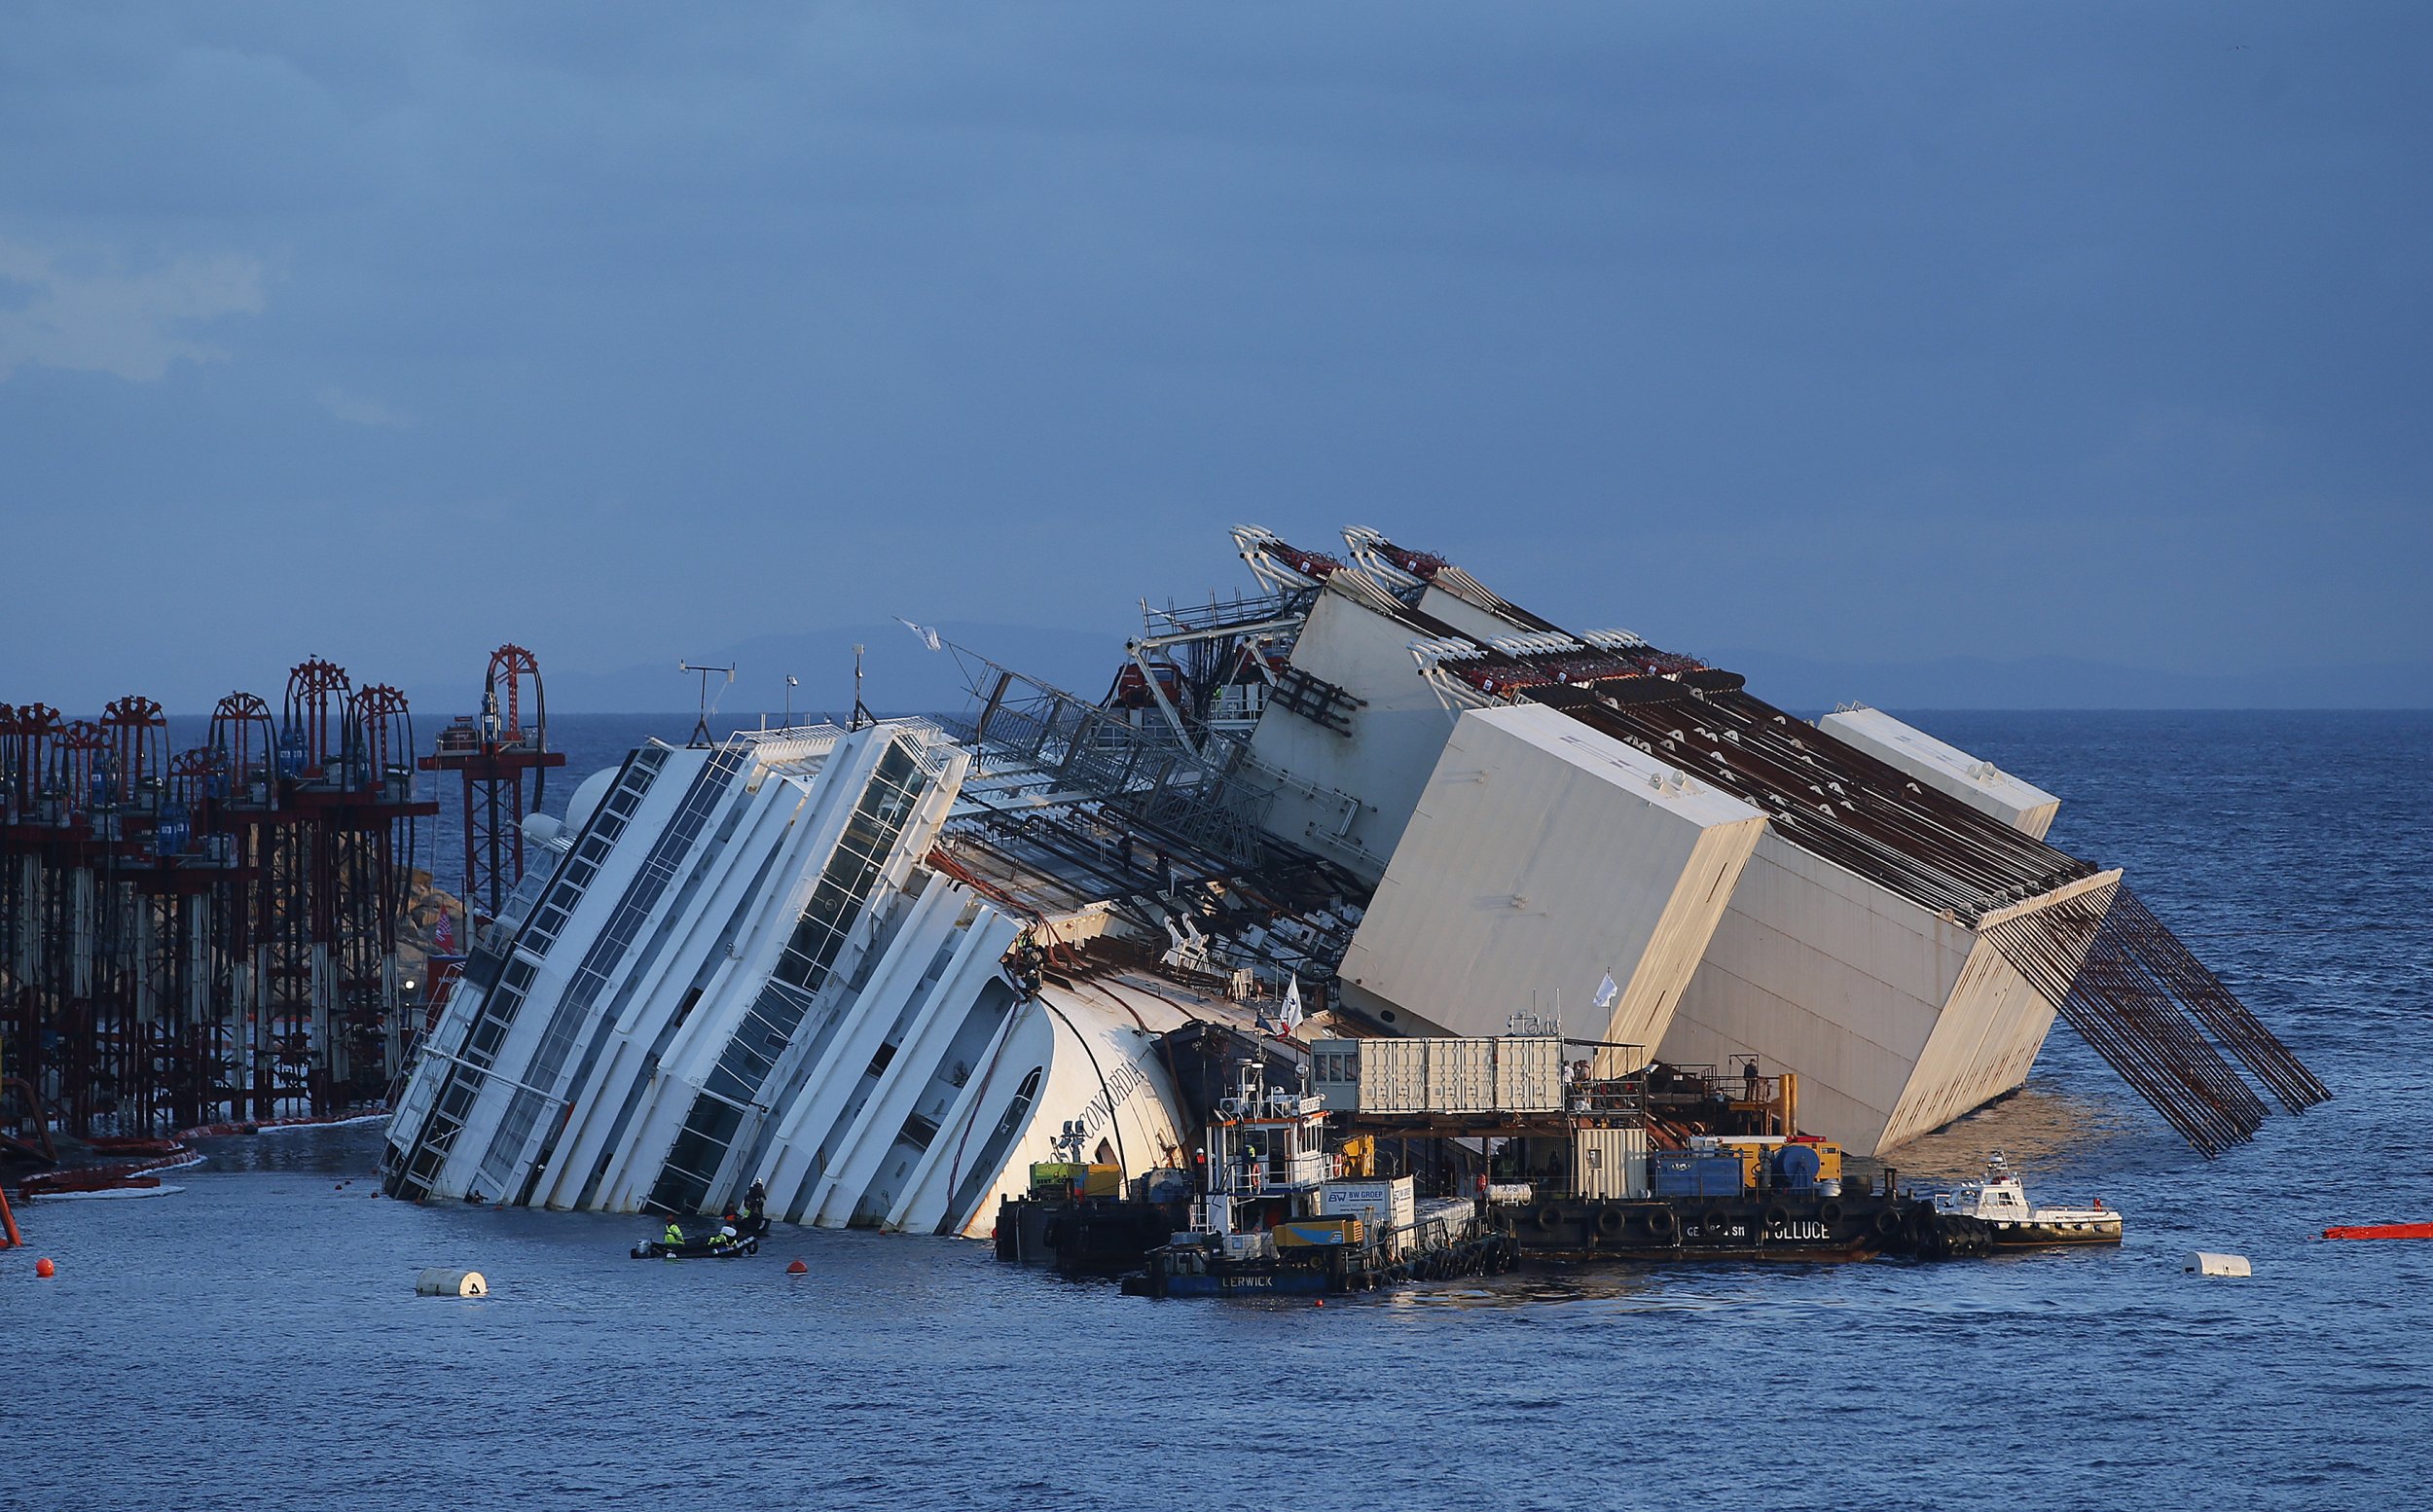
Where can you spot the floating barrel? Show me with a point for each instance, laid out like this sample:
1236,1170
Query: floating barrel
439,1282
2206,1262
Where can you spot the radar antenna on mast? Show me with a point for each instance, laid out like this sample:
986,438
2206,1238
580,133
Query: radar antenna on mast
708,704
862,715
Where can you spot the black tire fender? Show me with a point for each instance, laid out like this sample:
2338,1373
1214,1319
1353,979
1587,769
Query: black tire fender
1610,1222
1549,1216
1777,1215
1830,1213
1887,1222
1659,1221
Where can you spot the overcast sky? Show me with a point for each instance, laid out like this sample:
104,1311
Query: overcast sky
389,332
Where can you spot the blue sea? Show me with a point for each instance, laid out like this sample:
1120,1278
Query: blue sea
255,1341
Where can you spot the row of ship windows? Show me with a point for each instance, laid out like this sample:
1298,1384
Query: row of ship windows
600,839
497,1012
742,1068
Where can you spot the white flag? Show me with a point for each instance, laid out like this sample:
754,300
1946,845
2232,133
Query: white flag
1292,1014
929,637
1606,992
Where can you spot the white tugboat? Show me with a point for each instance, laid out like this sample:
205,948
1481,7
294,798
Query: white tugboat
2002,1202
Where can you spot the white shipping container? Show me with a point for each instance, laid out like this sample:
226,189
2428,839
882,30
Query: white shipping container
1461,1075
1512,1075
1381,1205
1529,1074
1610,1162
1394,1075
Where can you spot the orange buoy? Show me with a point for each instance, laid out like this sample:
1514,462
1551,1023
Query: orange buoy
2382,1230
798,1269
45,1268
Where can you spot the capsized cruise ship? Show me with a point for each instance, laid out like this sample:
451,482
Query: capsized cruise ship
883,969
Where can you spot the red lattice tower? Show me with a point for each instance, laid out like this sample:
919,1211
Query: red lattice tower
495,756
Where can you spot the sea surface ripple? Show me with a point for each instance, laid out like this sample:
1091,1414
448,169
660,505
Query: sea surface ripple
254,1340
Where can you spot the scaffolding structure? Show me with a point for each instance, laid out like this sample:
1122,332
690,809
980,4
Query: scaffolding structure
497,757
205,935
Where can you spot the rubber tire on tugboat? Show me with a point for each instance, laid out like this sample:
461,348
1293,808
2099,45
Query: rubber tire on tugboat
1830,1213
1660,1221
1610,1222
1887,1222
1548,1216
1777,1215
1713,1219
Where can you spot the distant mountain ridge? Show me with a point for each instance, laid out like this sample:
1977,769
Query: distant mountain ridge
899,674
2071,683
902,675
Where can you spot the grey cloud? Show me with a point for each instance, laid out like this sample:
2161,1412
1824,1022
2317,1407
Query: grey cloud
88,313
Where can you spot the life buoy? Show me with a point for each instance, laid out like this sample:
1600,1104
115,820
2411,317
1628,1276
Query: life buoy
1549,1216
1830,1213
1610,1222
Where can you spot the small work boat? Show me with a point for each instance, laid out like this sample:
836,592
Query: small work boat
711,1247
2001,1201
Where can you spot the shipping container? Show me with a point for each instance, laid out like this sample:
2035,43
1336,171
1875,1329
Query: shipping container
1057,1178
1529,1074
1461,1075
1380,1205
1610,1162
1393,1077
1690,1174
1509,1074
1304,1232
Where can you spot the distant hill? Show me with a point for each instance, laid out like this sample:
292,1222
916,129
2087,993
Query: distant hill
2071,683
899,674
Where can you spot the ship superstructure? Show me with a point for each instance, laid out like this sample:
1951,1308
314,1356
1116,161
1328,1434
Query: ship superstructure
1899,933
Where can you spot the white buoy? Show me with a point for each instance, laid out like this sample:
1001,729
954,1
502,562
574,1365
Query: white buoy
2206,1262
439,1282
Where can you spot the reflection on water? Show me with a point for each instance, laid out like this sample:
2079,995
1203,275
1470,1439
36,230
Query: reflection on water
2045,1128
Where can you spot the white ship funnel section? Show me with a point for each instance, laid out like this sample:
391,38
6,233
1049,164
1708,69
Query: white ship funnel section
1897,1018
1544,858
1353,726
1945,767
